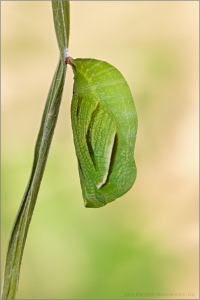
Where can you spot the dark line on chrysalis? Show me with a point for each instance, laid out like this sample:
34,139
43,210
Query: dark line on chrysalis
112,160
89,134
78,105
80,168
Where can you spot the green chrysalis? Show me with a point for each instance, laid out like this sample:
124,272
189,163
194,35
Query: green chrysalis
104,124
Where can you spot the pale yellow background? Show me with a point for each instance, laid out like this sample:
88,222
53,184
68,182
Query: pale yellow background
146,241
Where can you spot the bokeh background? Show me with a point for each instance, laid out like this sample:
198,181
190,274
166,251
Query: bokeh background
145,244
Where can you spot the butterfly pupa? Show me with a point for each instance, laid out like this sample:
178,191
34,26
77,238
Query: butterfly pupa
104,124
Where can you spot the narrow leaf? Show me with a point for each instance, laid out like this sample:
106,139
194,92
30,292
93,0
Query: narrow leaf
61,22
20,229
21,225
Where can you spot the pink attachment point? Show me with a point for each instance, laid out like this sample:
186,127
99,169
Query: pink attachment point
69,60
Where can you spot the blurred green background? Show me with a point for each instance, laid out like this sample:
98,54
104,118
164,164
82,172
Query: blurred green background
147,240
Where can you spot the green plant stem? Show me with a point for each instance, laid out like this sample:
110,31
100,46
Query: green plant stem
21,225
61,23
50,115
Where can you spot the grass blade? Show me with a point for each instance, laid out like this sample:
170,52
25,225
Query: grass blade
61,22
21,225
49,119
